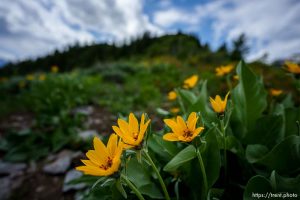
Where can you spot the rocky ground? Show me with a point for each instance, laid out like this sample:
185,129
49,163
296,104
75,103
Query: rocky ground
48,178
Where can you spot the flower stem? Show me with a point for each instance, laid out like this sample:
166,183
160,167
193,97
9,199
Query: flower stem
132,187
203,172
163,186
225,147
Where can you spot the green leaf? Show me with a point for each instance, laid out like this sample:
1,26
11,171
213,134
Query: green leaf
139,175
234,145
163,148
162,112
292,115
254,152
285,184
211,157
268,131
187,96
284,157
257,185
249,100
181,158
87,179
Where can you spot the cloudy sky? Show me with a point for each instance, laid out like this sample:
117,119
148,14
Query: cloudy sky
36,27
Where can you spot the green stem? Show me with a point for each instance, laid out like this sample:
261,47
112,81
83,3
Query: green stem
163,186
132,187
203,172
225,147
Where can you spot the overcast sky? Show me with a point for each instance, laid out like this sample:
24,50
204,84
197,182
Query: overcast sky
31,28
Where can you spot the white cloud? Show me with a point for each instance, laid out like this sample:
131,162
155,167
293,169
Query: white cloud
271,26
169,17
33,28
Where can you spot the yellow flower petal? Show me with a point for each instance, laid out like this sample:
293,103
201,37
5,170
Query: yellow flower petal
170,137
173,125
91,170
181,123
91,154
133,124
100,148
123,126
112,144
192,120
89,163
143,131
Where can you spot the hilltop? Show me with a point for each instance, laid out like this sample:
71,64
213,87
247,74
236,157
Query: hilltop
185,47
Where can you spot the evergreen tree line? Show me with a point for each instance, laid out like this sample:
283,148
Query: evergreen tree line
181,46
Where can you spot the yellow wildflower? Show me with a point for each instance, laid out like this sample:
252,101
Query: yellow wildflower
54,69
292,67
175,110
103,160
22,84
236,77
218,104
275,92
132,133
42,77
223,70
172,95
181,130
29,77
190,82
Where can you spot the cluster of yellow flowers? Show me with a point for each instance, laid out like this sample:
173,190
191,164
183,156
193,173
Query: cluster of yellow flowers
106,160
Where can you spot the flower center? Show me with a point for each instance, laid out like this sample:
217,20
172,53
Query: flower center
108,165
135,136
187,133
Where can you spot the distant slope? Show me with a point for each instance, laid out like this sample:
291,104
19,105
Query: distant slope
181,46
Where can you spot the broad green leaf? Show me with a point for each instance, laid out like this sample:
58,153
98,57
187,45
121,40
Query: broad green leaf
285,184
211,157
140,177
87,179
257,186
249,100
254,152
288,101
292,115
152,191
182,157
163,148
187,96
268,131
284,157
234,145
